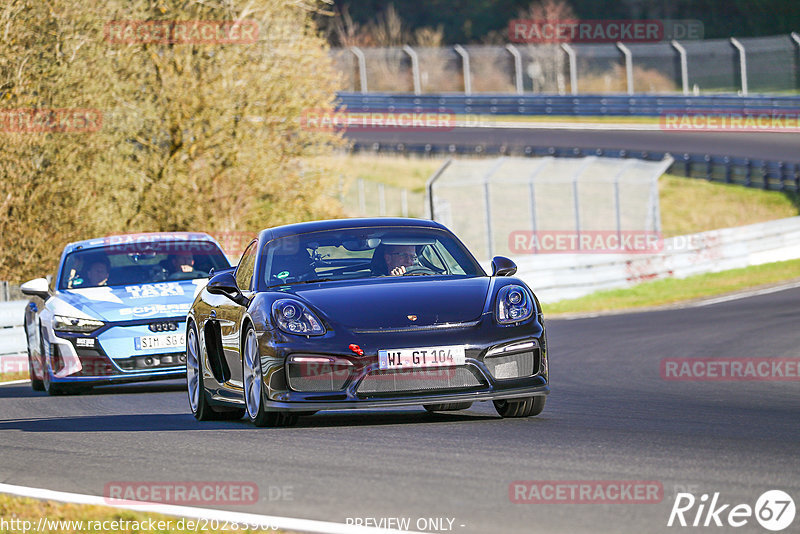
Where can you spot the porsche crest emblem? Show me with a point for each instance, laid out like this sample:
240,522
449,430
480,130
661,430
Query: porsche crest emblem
412,317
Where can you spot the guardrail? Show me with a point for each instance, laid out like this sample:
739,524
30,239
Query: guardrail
749,172
13,343
564,276
584,105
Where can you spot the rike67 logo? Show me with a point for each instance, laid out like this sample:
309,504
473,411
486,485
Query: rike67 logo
774,510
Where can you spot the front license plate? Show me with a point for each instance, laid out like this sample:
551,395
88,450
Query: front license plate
166,341
421,357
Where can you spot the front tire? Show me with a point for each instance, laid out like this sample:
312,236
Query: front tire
201,409
520,407
36,383
253,386
48,385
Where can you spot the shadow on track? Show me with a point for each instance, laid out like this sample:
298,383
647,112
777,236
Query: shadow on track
24,390
185,422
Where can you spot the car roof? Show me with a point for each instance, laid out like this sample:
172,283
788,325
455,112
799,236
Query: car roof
340,224
147,237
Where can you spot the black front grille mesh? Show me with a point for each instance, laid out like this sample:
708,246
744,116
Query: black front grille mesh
515,365
443,378
152,361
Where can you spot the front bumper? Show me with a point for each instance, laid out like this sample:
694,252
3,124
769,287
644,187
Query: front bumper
83,358
479,339
410,400
120,378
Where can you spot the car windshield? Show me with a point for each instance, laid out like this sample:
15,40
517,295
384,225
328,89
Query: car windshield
358,253
142,263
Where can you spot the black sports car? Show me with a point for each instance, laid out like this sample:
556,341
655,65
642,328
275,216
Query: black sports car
363,313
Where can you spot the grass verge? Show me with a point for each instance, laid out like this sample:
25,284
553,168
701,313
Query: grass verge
86,518
672,290
687,205
8,377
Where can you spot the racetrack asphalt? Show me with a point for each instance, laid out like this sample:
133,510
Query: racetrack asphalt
610,417
760,145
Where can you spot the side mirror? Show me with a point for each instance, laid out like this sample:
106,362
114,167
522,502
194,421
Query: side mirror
502,266
37,287
224,283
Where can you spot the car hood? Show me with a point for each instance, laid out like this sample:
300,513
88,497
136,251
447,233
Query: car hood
385,303
129,303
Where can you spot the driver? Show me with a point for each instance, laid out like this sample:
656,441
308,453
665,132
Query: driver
97,273
181,262
399,258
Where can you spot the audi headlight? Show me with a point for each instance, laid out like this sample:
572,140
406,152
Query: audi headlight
74,324
514,305
294,317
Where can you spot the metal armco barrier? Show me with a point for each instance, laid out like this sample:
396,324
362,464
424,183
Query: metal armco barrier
13,343
564,276
570,105
758,173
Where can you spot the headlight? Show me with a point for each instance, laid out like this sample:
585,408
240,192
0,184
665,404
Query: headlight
514,305
73,324
294,317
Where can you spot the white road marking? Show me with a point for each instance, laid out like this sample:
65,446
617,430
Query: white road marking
511,125
486,122
288,523
13,382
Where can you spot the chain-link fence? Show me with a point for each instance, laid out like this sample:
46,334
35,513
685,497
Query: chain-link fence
512,206
366,198
757,64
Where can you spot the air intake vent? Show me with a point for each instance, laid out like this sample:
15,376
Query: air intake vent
444,378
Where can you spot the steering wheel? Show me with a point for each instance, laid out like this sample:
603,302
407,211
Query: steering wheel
418,269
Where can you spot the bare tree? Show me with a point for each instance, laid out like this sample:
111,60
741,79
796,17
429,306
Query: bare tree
193,137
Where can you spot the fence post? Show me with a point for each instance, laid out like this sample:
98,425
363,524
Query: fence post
573,67
404,202
487,180
517,67
381,199
626,52
796,39
623,169
576,203
742,63
414,68
429,186
684,66
465,67
362,201
532,191
362,67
